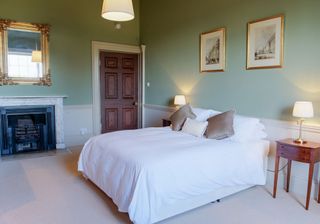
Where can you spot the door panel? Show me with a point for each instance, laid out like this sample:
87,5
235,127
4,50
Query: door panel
128,90
128,116
111,80
119,91
128,63
111,118
111,62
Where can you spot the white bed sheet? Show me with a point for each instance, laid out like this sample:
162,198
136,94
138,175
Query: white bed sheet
147,169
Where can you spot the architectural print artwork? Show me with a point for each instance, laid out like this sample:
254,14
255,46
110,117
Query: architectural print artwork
265,43
265,46
212,51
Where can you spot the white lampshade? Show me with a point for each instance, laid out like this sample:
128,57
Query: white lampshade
180,100
117,10
303,109
36,56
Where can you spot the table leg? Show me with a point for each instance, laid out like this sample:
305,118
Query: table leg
276,171
288,174
311,167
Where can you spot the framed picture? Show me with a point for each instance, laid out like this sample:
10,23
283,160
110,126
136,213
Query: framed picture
265,43
212,51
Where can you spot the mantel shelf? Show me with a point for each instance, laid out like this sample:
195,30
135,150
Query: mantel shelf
28,97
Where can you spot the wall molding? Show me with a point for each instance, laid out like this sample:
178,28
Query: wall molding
160,107
97,47
292,125
74,107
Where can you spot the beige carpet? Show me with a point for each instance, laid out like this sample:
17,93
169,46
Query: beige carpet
48,190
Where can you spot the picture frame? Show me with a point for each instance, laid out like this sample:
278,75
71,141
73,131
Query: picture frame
213,50
265,43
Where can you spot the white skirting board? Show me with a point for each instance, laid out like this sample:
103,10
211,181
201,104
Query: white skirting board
275,130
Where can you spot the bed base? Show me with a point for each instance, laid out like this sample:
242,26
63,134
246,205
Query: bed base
169,211
84,176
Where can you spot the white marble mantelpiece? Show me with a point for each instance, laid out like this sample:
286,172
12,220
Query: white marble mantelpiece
31,97
56,101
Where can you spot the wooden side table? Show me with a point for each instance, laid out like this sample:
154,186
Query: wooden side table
306,153
166,122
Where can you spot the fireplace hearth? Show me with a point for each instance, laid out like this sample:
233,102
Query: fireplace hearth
27,129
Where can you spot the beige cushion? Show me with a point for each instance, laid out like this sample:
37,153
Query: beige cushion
194,127
179,117
220,126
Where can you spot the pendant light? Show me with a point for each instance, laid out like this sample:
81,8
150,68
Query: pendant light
36,55
117,10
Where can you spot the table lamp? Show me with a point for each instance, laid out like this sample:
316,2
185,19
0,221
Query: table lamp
179,100
302,109
36,56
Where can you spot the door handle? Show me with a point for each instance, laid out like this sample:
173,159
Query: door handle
135,104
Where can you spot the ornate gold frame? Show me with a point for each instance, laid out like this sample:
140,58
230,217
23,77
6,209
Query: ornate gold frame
44,31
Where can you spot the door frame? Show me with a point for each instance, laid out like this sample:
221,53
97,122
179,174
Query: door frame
97,47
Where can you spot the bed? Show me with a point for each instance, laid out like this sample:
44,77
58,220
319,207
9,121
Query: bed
156,173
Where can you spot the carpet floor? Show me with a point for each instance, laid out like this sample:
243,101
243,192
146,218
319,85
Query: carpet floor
49,190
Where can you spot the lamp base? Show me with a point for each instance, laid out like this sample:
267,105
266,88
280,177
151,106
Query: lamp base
299,141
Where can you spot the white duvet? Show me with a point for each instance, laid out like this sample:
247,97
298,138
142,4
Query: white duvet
144,170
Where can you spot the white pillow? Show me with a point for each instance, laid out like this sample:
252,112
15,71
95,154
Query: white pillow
260,131
203,114
194,127
247,129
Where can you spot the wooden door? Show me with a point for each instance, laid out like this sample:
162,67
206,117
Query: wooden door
119,91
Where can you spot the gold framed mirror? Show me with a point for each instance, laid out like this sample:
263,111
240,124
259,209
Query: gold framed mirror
24,53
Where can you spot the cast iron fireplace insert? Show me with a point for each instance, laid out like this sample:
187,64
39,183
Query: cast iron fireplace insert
27,129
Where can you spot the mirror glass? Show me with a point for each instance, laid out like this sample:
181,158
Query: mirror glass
24,54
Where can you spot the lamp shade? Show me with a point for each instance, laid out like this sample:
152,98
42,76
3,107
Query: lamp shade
117,10
36,56
180,100
303,109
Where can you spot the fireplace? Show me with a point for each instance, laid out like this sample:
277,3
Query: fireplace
27,129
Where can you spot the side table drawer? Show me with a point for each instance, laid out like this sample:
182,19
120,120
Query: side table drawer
294,153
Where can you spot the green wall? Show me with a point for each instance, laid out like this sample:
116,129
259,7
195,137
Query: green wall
171,29
74,25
